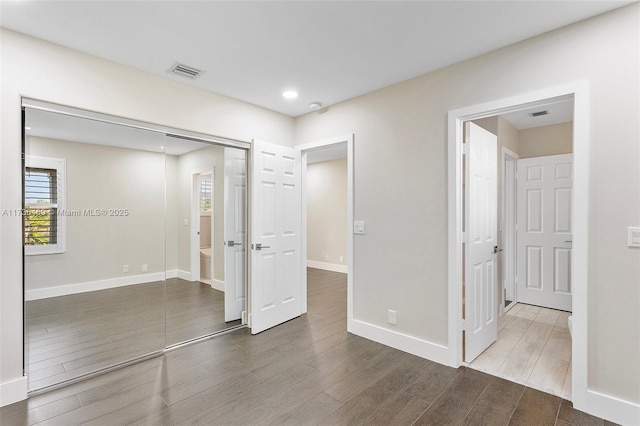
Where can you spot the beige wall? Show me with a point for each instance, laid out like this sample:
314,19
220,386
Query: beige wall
40,70
400,183
327,211
104,177
547,140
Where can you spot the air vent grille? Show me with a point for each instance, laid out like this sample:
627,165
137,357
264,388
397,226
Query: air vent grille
185,71
539,113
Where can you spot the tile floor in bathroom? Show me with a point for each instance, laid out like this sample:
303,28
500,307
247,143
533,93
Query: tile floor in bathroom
533,348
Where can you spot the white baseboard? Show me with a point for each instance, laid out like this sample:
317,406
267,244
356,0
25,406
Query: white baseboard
413,345
64,290
333,267
13,391
218,285
610,408
178,273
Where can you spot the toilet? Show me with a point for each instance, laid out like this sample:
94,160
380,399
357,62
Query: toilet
205,263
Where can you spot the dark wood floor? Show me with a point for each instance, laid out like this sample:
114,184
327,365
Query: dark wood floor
307,371
69,336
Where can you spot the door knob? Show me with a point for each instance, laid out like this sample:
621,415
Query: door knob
233,243
496,250
259,246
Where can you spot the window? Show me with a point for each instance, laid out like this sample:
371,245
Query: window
205,193
44,213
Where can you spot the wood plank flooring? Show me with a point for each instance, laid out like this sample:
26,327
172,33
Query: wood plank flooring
72,335
533,348
308,371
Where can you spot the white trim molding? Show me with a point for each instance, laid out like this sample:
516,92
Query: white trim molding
613,409
64,290
13,391
333,267
217,285
404,342
579,91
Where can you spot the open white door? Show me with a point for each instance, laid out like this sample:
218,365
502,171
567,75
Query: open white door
545,200
235,192
481,325
276,267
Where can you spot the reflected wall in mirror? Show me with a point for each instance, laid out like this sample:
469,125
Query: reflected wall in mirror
94,246
205,294
134,241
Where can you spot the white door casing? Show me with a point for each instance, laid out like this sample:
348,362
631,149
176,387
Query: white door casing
545,228
481,325
509,242
235,192
276,264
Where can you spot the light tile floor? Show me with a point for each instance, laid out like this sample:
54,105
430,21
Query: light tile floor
533,348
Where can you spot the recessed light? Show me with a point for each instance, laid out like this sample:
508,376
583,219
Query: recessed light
290,94
314,106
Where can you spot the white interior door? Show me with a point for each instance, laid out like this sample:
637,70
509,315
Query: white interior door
235,192
545,200
276,267
481,327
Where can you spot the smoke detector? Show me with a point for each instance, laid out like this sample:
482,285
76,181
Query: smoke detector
185,71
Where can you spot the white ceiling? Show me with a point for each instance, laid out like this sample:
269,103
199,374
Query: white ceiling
327,50
559,112
68,128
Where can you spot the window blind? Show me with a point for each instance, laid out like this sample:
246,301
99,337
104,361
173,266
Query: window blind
41,206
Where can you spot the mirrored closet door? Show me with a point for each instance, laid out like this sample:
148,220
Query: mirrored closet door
133,241
206,190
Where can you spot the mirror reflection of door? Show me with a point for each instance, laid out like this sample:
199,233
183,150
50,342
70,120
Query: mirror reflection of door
196,270
108,237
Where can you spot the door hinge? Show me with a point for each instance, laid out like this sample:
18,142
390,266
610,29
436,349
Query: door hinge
464,237
465,149
463,324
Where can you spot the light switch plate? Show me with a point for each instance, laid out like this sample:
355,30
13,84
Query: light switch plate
633,239
358,227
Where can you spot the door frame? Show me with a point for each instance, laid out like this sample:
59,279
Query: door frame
506,152
194,246
579,91
305,149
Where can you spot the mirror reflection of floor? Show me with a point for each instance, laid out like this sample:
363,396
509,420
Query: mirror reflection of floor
68,336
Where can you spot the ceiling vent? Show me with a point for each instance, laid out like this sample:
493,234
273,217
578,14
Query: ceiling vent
185,71
539,113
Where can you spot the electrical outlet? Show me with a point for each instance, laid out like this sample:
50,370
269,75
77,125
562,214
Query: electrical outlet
145,267
358,227
633,238
125,268
341,259
326,257
391,316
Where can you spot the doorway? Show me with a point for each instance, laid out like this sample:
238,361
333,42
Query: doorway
329,265
531,344
458,322
202,223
